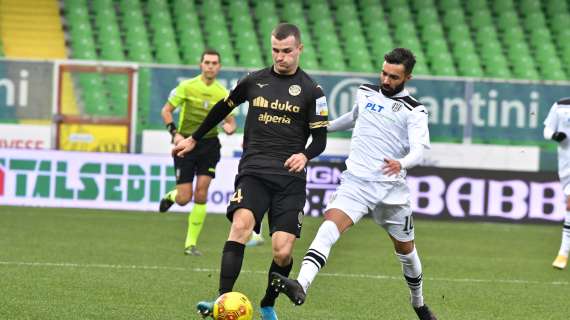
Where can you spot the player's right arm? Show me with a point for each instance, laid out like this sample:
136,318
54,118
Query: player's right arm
218,113
551,126
344,122
168,119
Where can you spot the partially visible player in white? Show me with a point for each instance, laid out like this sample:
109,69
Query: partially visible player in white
557,127
390,135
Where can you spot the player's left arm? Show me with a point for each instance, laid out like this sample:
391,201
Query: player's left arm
318,121
418,137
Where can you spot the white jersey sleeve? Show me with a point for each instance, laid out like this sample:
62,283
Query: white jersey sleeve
344,122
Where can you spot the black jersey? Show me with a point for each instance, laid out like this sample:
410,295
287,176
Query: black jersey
282,111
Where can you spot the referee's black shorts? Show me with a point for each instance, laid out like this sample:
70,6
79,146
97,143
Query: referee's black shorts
200,161
281,196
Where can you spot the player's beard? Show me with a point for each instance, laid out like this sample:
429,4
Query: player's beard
388,92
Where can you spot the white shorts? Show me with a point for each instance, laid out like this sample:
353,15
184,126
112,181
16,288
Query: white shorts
389,202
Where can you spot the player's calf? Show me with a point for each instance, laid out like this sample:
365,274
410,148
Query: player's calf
291,288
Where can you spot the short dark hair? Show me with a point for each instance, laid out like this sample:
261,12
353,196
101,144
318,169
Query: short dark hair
210,51
284,30
401,56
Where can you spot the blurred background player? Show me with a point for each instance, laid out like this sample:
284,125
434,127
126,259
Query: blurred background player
556,127
390,135
195,97
286,106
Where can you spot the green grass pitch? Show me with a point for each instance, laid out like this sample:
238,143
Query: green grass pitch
94,264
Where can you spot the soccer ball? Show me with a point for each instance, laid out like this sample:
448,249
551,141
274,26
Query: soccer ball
233,306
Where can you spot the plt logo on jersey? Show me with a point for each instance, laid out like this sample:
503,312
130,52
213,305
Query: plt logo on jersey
374,107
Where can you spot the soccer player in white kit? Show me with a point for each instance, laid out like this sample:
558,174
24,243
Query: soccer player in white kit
390,135
557,127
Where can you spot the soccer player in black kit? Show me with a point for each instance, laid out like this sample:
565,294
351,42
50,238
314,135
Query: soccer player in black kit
285,107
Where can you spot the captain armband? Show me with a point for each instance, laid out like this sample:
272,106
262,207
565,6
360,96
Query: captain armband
171,127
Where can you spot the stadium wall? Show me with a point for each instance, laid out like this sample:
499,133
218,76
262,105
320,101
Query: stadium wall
48,178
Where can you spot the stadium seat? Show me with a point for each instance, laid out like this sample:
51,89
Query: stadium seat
507,20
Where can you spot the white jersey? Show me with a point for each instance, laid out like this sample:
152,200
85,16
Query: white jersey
558,119
384,128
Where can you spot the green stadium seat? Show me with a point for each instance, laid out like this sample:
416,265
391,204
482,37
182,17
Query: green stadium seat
555,7
507,20
395,4
291,10
481,19
462,48
445,5
264,9
83,48
534,20
140,51
250,57
453,17
401,13
421,68
371,15
349,29
359,60
318,10
127,5
442,67
527,6
431,31
266,25
192,51
427,17
513,35
503,6
526,73
560,22
167,52
411,43
436,47
539,37
486,34
112,50
404,29
238,8
420,5
332,64
472,6
346,12
459,33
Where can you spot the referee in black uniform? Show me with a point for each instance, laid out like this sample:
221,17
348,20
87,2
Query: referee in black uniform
285,107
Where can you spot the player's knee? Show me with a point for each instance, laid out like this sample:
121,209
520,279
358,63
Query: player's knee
404,247
282,257
200,196
183,199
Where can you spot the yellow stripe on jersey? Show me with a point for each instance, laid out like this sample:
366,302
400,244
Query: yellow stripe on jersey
318,124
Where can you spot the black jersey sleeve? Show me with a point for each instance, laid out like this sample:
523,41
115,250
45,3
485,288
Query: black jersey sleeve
318,121
318,111
222,108
238,94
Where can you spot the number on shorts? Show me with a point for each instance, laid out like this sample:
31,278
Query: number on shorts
408,224
237,196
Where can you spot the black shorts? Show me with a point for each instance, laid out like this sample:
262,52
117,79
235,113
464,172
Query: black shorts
201,161
282,197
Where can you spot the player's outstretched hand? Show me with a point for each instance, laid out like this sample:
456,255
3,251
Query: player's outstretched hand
391,167
229,128
183,147
296,162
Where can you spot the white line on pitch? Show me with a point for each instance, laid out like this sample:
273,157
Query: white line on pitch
325,274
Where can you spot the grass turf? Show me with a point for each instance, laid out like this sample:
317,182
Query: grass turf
94,264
